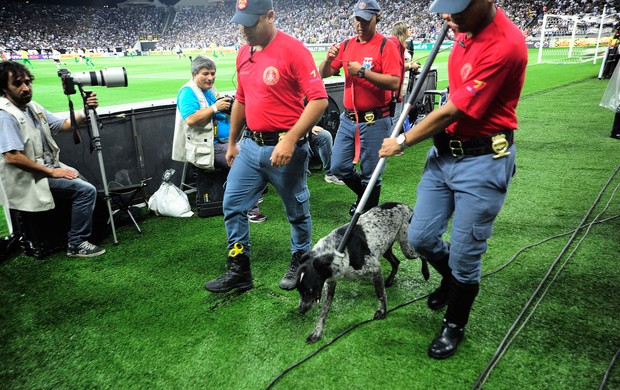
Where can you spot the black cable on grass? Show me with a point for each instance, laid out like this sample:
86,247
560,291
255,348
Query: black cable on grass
611,365
350,329
324,346
310,356
513,332
353,327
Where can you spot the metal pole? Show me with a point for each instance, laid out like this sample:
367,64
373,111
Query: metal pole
395,131
542,39
600,31
572,37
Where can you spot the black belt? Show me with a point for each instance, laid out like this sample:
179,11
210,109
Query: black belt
271,138
368,116
497,143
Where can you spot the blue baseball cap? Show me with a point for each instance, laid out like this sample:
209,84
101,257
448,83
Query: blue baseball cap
248,11
366,9
449,6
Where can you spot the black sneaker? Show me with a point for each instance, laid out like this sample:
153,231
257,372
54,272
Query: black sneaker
85,249
288,281
238,276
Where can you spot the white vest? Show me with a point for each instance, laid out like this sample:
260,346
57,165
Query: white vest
28,191
194,144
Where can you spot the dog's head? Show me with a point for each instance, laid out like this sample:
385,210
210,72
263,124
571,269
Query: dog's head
311,276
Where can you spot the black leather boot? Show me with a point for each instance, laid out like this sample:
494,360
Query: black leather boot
461,299
373,198
439,298
238,276
615,130
355,184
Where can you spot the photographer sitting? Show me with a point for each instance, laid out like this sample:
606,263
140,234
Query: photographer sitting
202,123
30,170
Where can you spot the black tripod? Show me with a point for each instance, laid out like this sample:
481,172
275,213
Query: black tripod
93,119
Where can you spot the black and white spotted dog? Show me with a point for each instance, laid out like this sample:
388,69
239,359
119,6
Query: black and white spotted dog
372,238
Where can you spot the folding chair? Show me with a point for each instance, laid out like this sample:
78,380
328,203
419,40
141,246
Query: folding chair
124,198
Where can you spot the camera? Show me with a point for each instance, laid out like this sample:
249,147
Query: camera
409,45
109,77
232,100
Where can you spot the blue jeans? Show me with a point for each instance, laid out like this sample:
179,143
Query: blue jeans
472,189
83,197
322,144
248,176
371,139
220,149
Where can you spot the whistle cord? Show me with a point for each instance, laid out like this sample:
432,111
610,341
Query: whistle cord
489,367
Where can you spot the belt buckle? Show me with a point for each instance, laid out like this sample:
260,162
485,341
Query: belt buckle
500,146
258,138
352,116
369,117
456,146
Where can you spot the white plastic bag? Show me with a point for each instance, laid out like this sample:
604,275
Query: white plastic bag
169,200
611,97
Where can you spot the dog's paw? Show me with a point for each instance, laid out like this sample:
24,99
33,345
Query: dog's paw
380,314
388,282
313,338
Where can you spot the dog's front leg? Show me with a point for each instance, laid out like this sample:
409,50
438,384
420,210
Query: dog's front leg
380,290
318,329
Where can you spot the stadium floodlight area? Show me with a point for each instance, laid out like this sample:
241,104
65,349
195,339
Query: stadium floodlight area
566,39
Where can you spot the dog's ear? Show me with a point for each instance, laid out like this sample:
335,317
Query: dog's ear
357,247
322,265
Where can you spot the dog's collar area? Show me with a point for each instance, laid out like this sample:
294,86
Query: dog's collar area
338,258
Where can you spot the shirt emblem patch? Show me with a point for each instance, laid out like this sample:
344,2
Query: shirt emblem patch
271,76
367,63
465,69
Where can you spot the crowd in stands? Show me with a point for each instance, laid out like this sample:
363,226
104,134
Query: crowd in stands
45,27
42,27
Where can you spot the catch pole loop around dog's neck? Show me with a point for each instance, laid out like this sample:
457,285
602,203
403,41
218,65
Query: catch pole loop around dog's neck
338,256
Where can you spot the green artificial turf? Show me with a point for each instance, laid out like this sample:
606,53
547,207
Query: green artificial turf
138,316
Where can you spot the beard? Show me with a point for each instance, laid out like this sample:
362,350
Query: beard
20,100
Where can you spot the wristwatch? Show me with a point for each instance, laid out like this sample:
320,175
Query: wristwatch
400,140
361,72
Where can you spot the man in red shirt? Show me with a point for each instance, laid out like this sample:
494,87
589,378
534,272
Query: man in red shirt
468,171
274,74
374,67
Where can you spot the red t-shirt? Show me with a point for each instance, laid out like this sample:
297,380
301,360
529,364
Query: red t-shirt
486,78
273,84
360,94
